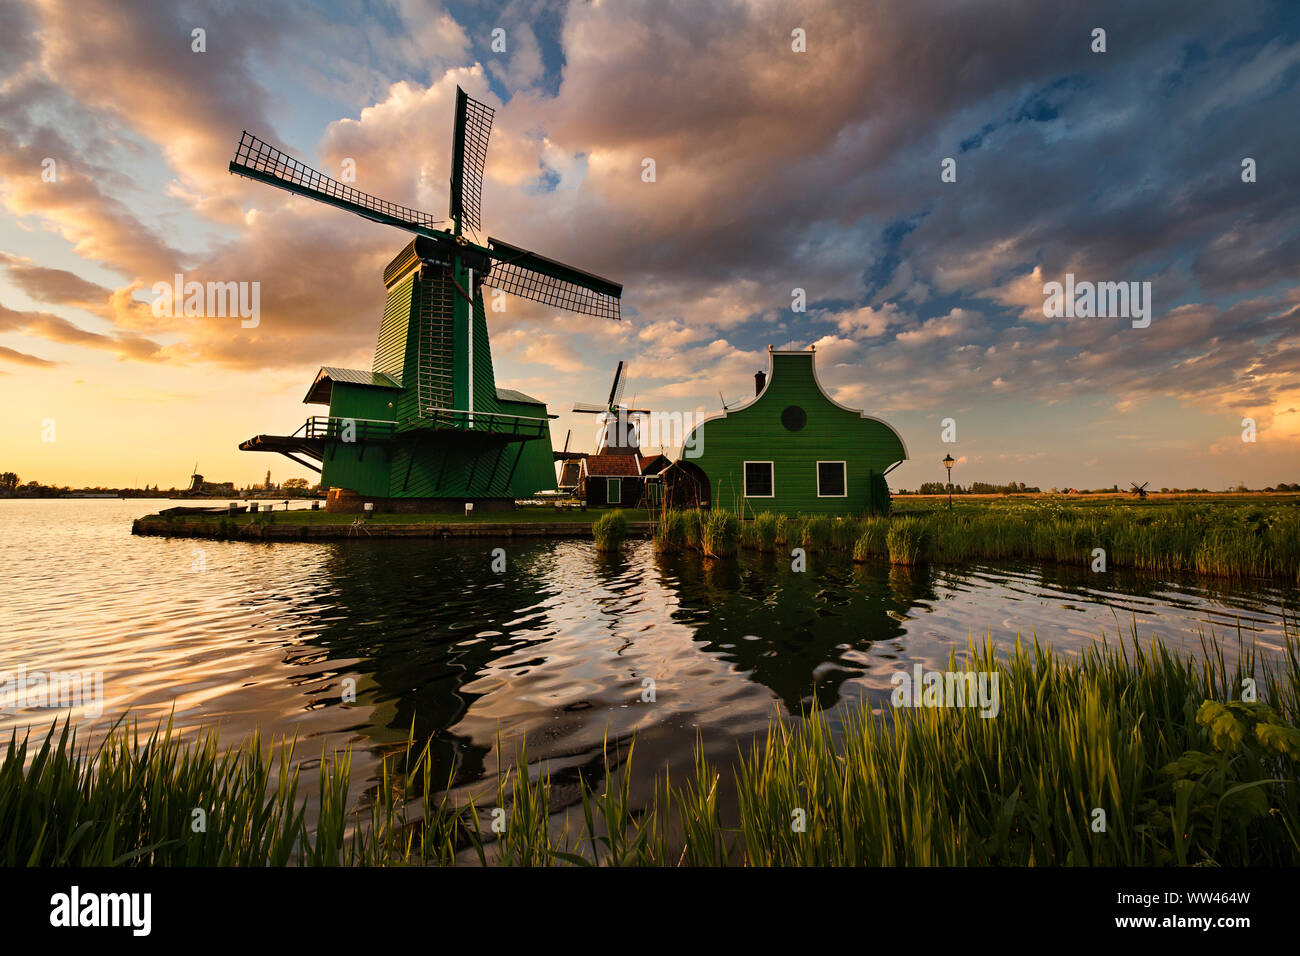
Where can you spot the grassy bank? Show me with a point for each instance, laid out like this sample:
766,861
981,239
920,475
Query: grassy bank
304,524
1227,541
530,514
1183,773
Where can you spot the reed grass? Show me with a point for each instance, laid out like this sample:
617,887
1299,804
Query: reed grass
160,801
1224,541
816,534
672,532
871,542
908,541
845,533
610,530
765,529
1228,541
1184,771
720,534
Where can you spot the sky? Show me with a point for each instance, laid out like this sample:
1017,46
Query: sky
921,170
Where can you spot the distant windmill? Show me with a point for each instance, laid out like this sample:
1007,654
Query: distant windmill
1140,490
569,465
617,474
619,436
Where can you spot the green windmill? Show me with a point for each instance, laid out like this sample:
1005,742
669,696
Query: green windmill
426,428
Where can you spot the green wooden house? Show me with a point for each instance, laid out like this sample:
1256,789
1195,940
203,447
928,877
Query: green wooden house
792,449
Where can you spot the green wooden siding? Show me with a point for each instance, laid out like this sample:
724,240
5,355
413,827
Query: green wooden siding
424,344
831,433
485,383
390,350
362,401
536,471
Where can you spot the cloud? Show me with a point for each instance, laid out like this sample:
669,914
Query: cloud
774,171
53,328
956,322
22,358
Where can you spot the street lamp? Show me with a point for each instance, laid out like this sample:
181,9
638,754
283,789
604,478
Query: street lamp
948,462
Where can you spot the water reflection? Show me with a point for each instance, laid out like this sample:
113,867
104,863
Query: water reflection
561,650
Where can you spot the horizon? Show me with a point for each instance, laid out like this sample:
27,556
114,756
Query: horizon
924,286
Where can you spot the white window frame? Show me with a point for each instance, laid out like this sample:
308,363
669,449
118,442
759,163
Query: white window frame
614,483
744,474
844,466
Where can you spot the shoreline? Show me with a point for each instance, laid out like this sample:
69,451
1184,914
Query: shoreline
158,526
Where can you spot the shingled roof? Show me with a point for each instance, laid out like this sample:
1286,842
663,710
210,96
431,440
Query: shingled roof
624,466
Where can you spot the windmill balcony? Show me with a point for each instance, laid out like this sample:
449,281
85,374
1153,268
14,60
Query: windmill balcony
361,429
510,428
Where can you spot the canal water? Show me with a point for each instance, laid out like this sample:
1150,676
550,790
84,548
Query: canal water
563,649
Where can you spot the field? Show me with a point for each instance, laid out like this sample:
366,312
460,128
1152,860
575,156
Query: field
912,502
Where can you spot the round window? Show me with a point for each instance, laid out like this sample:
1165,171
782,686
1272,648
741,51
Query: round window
794,418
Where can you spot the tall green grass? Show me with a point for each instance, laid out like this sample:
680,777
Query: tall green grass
673,530
871,542
610,530
720,534
162,801
908,541
1226,541
1184,771
816,533
763,532
1182,775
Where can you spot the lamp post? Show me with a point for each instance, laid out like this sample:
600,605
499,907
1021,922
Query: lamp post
948,462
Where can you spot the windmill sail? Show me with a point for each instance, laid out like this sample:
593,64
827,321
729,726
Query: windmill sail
468,157
620,382
257,159
530,276
501,265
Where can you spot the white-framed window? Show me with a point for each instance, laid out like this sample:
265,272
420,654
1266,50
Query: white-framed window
759,480
832,479
613,491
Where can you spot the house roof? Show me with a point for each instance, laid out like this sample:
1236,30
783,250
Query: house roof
653,464
323,385
623,466
611,466
810,357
